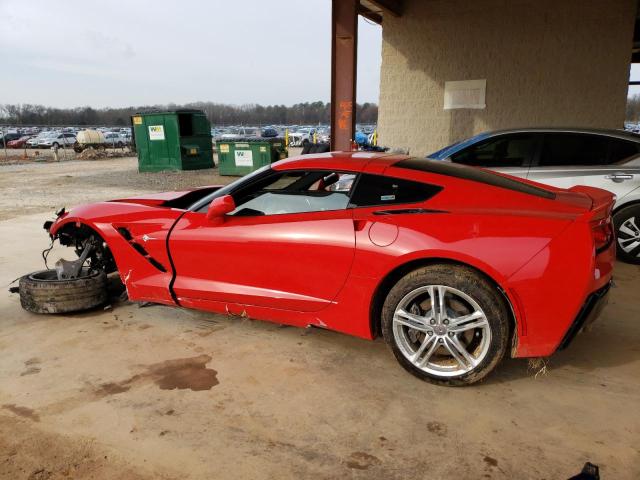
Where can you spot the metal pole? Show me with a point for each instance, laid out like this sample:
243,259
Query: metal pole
4,144
344,49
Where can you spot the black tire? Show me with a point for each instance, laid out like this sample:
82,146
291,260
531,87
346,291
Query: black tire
627,218
479,289
42,292
55,145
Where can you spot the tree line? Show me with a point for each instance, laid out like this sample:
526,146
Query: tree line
633,109
308,113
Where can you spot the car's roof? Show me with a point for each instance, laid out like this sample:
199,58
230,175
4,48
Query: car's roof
456,147
593,131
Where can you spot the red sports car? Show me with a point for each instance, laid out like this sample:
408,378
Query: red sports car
455,266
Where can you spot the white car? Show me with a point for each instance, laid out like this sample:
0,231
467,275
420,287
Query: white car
57,139
301,136
608,159
240,132
115,139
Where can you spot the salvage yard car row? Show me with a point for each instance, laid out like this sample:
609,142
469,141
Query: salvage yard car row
61,138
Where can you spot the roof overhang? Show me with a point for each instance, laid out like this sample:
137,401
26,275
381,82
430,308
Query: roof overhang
376,10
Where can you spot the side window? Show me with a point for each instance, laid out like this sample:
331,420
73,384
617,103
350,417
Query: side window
573,149
504,151
373,190
621,149
295,192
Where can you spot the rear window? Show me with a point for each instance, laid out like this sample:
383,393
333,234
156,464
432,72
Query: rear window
372,190
474,175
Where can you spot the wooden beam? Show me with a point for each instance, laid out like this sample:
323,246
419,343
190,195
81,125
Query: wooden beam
394,7
373,16
344,49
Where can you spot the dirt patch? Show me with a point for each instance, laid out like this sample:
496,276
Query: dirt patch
24,412
26,452
437,428
490,461
181,374
30,371
362,461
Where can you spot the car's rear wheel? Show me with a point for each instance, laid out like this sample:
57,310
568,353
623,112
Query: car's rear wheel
446,324
627,224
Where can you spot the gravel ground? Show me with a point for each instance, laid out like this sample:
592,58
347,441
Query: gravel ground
44,187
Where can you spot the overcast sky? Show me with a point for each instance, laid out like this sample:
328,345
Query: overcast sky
124,52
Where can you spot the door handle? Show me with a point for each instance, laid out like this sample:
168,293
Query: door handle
619,177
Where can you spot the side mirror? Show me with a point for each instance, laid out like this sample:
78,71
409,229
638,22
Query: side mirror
220,206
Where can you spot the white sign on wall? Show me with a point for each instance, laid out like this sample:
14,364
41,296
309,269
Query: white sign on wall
244,158
156,132
465,94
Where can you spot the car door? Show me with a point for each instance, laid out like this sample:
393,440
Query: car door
510,153
289,244
569,159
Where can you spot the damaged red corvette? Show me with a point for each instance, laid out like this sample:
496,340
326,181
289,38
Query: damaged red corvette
454,266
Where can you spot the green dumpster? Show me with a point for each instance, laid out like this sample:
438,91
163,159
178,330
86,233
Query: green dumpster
244,155
172,140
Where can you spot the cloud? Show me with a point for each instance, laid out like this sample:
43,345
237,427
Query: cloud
67,53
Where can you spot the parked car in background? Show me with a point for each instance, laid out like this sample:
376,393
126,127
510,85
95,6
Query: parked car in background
57,139
19,142
240,132
115,139
300,137
9,136
324,135
33,142
269,132
608,159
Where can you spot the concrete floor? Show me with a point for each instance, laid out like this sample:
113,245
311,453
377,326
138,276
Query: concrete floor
157,392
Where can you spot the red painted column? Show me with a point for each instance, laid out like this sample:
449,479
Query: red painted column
344,49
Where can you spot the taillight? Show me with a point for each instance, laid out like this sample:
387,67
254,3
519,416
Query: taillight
602,233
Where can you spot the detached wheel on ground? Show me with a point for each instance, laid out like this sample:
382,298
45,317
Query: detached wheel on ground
627,224
42,292
446,324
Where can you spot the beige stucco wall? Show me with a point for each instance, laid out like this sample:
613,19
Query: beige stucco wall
546,62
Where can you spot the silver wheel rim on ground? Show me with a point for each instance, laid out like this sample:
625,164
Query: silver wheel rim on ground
441,330
629,236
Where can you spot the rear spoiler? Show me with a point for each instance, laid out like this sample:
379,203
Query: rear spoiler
602,201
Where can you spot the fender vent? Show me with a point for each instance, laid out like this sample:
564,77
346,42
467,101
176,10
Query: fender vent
126,234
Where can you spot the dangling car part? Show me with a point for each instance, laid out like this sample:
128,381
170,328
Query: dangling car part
71,286
455,266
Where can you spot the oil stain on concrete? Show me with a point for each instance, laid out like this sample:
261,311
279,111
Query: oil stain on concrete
180,373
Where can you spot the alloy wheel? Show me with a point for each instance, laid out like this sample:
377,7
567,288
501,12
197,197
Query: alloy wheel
629,236
441,330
